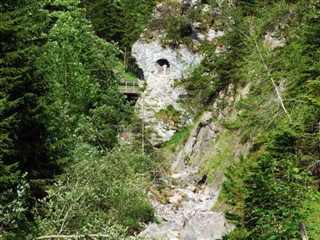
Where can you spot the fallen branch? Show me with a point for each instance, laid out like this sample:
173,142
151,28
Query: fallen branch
303,232
314,168
85,236
272,81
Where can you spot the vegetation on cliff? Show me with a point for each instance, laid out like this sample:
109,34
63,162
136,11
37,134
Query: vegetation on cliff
276,187
62,169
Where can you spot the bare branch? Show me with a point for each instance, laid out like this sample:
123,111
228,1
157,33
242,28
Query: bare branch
272,81
314,168
303,231
93,236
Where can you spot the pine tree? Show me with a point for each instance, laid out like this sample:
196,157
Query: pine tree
120,21
22,132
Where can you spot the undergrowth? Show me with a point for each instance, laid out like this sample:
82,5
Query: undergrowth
270,191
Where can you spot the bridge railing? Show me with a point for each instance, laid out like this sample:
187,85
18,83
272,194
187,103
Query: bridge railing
129,87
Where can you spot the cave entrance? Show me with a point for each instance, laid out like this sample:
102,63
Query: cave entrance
140,74
163,65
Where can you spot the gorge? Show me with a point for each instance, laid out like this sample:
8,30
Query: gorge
150,119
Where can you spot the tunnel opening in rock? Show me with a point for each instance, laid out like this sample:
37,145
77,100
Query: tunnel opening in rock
140,74
163,65
161,62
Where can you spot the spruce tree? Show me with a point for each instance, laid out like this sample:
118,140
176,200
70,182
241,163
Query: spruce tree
22,132
119,21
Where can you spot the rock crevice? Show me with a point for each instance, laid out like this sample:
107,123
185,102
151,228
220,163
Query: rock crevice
187,214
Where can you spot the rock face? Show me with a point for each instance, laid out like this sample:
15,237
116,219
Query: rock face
201,137
162,68
188,215
192,3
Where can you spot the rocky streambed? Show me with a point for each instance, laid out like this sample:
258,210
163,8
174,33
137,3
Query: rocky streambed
186,213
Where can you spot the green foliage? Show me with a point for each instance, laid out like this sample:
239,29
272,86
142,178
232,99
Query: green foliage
176,23
178,29
125,19
234,192
169,116
21,86
267,191
14,209
22,132
202,85
58,91
82,85
248,7
93,195
312,205
272,190
119,21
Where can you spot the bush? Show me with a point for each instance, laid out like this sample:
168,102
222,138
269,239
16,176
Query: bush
99,193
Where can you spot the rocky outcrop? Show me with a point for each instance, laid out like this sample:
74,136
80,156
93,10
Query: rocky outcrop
162,68
201,138
192,3
184,207
187,214
224,107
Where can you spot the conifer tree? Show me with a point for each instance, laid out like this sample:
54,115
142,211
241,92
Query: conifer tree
22,132
120,21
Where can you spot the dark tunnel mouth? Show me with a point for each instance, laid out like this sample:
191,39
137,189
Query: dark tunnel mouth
140,74
161,62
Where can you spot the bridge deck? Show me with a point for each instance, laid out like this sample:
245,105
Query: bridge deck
131,88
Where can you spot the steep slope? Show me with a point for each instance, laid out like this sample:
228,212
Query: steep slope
186,213
266,104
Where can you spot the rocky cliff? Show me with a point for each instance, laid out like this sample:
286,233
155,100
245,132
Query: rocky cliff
249,133
192,192
166,56
184,207
162,68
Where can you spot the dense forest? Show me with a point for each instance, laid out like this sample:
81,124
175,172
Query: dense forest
63,168
61,112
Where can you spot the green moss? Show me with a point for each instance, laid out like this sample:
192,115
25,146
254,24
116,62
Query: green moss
178,139
169,116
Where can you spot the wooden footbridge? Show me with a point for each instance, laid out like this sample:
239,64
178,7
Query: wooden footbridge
129,88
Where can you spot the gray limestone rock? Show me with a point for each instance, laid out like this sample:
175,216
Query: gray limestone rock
204,225
272,42
202,136
188,215
162,68
192,3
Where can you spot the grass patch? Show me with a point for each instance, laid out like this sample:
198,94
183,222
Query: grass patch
313,218
178,139
222,155
222,161
125,75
